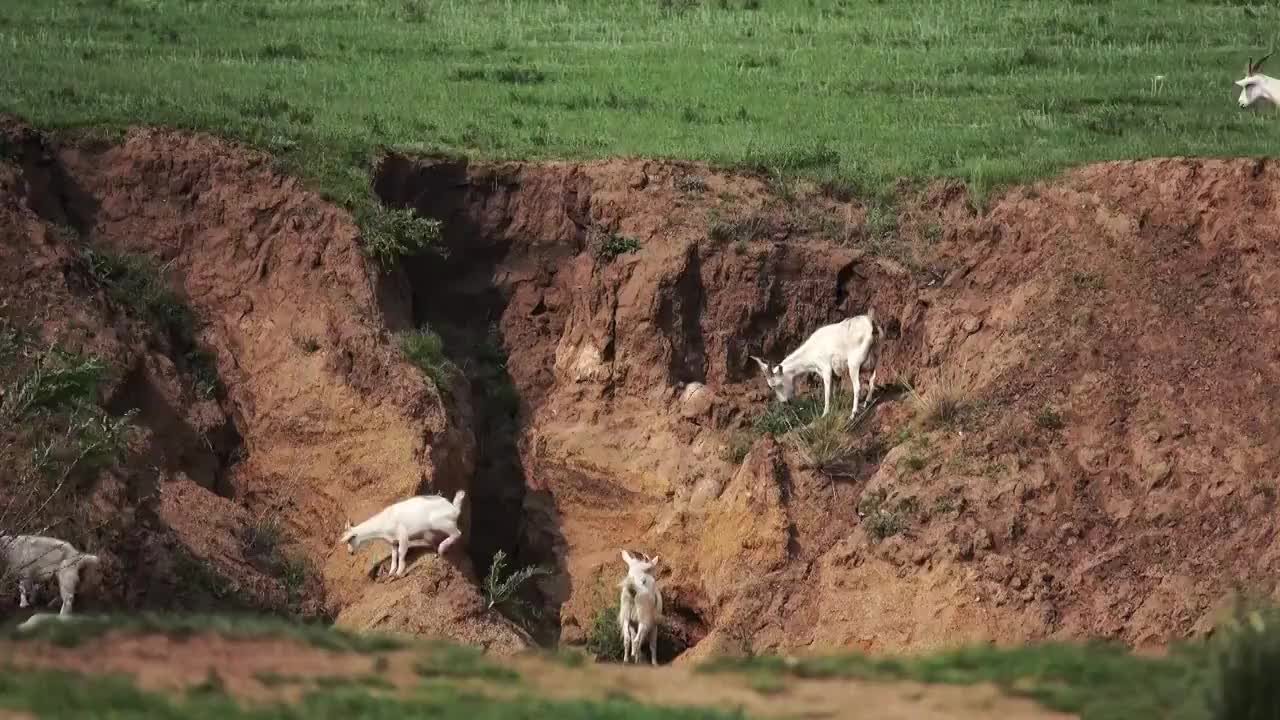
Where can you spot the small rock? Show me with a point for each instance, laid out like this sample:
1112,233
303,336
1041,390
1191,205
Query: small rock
1067,529
972,325
639,180
1154,437
1017,582
1157,473
982,539
964,550
921,555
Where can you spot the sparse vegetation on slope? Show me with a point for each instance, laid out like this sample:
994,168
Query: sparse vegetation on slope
52,430
425,350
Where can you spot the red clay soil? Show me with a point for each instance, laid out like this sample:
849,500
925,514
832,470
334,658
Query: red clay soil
324,434
1131,298
1110,473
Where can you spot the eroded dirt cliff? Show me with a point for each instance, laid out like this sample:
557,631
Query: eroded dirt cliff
1107,473
1107,468
329,422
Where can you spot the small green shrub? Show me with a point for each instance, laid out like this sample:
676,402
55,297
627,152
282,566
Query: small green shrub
96,438
308,345
203,366
880,520
1245,664
948,504
739,446
944,405
502,584
604,641
295,574
829,443
741,230
882,221
134,281
57,379
261,541
690,184
392,233
612,245
425,350
1087,280
779,418
913,463
1049,418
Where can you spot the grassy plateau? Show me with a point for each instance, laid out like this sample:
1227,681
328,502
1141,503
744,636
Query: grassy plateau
856,92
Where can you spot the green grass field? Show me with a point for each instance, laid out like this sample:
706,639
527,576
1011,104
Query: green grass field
1229,677
860,92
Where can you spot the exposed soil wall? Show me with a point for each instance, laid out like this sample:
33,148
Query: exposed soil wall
1109,471
331,423
1085,490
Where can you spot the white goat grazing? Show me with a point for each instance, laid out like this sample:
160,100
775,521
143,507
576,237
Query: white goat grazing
1258,90
36,558
639,605
852,344
399,524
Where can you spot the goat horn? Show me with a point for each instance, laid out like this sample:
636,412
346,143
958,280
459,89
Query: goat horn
1257,66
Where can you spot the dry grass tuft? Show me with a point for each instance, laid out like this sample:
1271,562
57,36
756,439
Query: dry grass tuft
944,405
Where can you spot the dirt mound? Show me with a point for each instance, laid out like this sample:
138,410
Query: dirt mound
1088,485
1087,453
326,420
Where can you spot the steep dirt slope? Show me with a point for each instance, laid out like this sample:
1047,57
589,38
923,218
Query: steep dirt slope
1136,300
1109,473
181,442
1109,470
330,422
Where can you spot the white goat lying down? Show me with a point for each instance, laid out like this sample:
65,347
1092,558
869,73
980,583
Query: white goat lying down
35,558
851,344
639,608
1258,90
409,523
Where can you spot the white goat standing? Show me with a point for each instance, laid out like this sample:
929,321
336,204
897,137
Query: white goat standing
399,524
36,558
1256,89
852,344
639,605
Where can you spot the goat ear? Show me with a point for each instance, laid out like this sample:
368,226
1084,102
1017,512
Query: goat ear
763,365
626,557
653,561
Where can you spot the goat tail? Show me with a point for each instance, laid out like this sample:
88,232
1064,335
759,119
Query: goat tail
457,499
